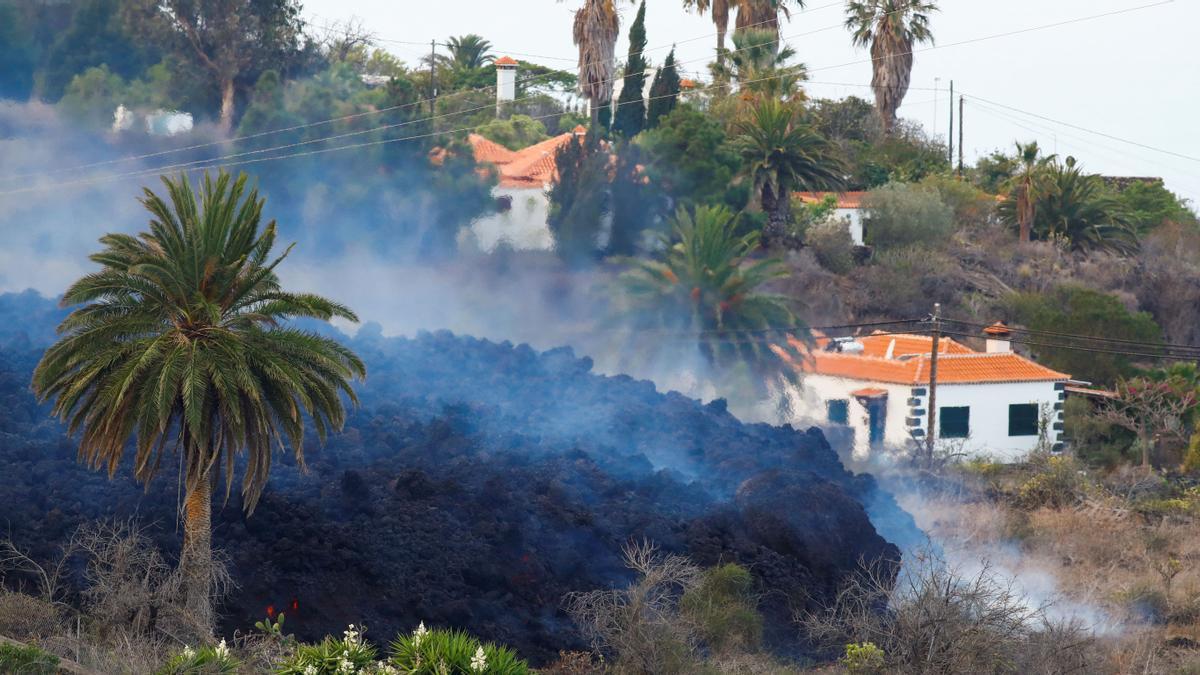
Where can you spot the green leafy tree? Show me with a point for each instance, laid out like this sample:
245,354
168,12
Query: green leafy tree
514,133
230,40
181,342
96,37
891,29
706,284
579,198
1082,311
664,92
781,152
1149,205
630,116
899,215
691,159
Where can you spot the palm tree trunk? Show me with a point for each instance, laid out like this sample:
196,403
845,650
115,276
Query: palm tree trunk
778,210
195,561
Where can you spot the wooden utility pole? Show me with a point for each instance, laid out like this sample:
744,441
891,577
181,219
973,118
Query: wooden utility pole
935,334
960,134
950,134
433,78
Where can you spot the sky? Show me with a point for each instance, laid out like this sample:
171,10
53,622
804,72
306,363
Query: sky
1134,75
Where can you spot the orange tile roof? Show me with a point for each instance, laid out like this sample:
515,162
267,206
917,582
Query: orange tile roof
869,392
505,61
957,364
528,167
877,344
845,200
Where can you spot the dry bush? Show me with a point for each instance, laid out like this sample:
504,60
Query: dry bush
574,663
640,626
937,620
24,617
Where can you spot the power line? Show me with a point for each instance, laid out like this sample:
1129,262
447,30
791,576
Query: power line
209,164
1055,345
415,104
1093,338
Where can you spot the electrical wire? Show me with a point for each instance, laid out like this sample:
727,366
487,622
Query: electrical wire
1076,336
208,162
1055,345
367,113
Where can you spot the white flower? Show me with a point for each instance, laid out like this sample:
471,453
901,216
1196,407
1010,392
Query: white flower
479,661
310,669
345,666
188,652
351,635
419,634
222,650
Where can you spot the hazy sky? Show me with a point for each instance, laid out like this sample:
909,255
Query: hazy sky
1134,75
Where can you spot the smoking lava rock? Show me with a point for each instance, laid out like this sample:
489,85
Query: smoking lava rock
477,484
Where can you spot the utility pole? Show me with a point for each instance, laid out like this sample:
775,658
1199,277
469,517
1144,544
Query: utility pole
960,135
935,334
950,134
937,85
432,78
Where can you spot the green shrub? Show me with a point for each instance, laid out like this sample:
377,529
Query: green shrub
724,609
351,654
27,660
863,658
215,660
1056,483
899,215
433,652
832,244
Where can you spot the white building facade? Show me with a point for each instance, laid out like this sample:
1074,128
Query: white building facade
994,404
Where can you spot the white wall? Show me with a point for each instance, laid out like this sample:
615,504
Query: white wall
523,226
854,218
988,417
808,405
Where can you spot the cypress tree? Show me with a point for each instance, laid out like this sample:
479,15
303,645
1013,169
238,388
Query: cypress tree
664,92
630,117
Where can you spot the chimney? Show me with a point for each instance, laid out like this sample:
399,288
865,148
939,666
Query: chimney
506,83
998,335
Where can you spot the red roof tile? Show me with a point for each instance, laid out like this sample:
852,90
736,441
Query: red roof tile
845,200
505,61
957,363
529,167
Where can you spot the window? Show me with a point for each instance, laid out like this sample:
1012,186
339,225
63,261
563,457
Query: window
1023,419
839,411
954,422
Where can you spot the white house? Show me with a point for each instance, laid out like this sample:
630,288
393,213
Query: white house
994,403
849,209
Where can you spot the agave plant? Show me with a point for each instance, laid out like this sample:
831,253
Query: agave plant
706,288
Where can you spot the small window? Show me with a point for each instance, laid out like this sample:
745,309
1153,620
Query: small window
839,411
1023,419
954,422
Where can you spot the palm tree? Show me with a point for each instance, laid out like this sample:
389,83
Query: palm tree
751,14
781,152
467,52
705,286
890,28
1076,208
595,34
181,342
759,66
1028,185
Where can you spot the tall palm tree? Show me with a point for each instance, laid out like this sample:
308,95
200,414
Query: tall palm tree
181,342
751,14
890,28
1028,185
467,52
760,66
1076,208
706,287
781,152
595,34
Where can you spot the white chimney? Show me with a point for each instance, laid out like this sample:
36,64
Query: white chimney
998,335
506,83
